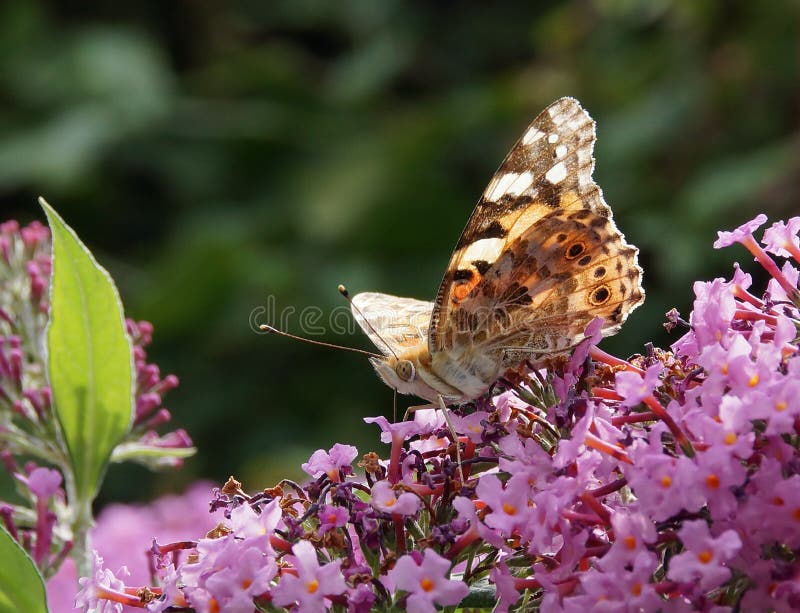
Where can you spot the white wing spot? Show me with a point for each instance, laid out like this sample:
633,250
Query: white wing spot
561,151
511,183
487,249
553,138
557,173
531,136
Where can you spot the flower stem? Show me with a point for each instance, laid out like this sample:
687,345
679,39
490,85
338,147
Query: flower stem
81,524
770,266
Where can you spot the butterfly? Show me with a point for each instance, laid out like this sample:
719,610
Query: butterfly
538,260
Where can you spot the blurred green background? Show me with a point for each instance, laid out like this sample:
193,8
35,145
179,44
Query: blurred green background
214,155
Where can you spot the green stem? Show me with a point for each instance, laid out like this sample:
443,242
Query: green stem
81,524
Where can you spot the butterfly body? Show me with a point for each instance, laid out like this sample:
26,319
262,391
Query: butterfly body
455,378
539,259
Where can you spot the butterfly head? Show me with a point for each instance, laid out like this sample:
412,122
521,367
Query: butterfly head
405,375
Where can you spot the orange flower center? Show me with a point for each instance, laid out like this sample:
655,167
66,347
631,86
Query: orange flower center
312,586
705,556
390,502
712,481
753,380
781,405
630,541
636,589
247,583
426,584
510,509
730,438
666,481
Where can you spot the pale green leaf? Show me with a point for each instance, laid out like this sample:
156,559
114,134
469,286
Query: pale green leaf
89,357
21,585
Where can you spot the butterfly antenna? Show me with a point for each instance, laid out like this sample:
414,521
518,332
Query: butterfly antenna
272,330
343,291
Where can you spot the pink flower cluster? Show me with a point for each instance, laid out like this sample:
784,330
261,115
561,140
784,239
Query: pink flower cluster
25,275
669,482
149,412
122,534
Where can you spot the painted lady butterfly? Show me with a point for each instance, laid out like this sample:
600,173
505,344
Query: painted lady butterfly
539,259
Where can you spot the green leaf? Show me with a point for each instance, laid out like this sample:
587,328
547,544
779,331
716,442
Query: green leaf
482,595
89,357
21,585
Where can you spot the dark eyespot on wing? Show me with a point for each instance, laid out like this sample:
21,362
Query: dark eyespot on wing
600,295
574,250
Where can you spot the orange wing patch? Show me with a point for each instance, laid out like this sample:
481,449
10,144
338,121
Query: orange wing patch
465,280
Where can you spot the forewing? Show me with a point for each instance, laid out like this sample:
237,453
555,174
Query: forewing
392,323
540,255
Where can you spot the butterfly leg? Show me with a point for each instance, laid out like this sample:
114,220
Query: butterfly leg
451,427
419,407
440,404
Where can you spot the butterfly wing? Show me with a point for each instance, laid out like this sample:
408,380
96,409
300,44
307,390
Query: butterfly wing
540,256
392,323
